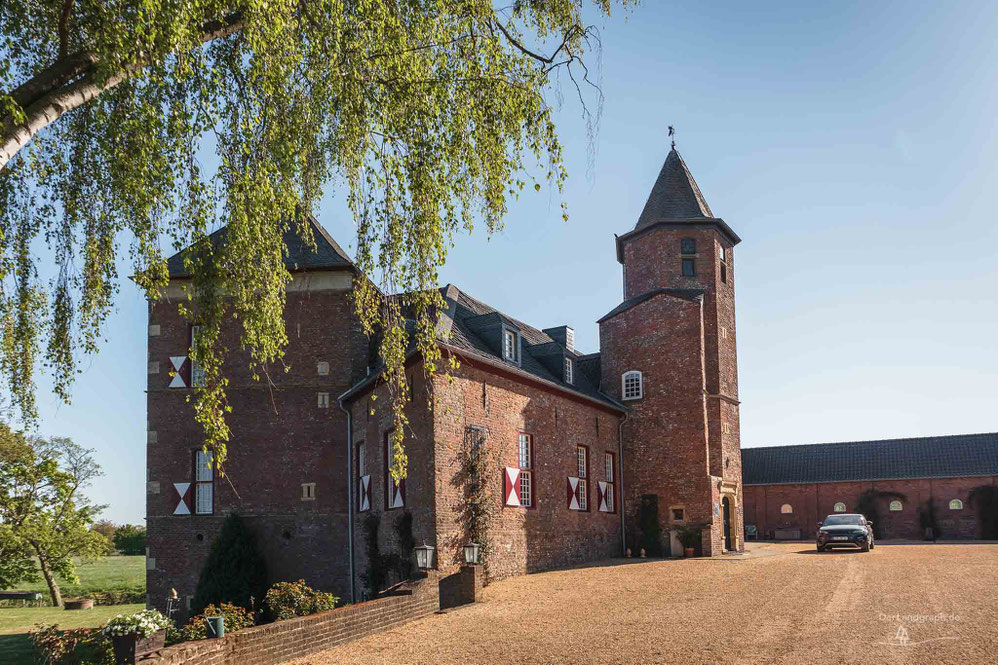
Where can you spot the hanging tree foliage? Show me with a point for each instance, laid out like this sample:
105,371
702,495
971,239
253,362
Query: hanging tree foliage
430,114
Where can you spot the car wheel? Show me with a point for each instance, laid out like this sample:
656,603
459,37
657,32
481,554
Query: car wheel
866,546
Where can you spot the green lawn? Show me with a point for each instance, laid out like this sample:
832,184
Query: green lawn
15,622
113,572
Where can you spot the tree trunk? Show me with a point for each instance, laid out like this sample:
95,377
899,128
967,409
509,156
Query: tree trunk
53,92
50,581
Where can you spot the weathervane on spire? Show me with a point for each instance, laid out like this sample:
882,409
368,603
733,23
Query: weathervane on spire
672,135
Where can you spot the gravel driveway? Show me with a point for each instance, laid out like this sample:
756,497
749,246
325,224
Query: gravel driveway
910,603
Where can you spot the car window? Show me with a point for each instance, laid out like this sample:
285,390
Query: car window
837,520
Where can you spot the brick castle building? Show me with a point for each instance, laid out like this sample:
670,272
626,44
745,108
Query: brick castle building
789,489
580,439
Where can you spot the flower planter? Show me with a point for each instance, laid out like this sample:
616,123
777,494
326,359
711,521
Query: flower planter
688,552
130,648
79,604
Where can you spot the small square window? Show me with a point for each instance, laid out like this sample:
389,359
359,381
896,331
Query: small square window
308,491
688,246
678,514
689,268
323,400
322,368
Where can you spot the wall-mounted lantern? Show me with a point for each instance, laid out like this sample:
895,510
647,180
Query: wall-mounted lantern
472,552
424,556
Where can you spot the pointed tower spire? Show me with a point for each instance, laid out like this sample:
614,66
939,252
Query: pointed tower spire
675,194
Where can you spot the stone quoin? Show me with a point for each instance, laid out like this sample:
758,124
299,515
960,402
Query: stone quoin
580,439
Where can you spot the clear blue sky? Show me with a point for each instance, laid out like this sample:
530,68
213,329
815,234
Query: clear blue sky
851,145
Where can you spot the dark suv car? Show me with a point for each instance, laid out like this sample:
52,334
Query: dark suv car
845,530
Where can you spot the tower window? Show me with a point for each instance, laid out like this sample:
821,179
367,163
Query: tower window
724,254
724,273
688,246
632,385
689,269
568,370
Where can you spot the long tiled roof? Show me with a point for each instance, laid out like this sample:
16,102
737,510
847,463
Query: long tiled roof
327,253
923,457
463,337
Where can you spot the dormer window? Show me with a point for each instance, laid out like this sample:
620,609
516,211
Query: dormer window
688,246
568,370
510,346
632,385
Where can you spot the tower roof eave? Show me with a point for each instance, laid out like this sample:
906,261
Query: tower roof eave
692,222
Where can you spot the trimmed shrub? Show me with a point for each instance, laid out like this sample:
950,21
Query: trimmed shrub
234,571
377,571
286,600
650,537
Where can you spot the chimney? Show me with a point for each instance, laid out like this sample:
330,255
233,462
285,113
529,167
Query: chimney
563,335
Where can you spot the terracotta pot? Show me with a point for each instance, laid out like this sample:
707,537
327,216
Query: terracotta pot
130,648
79,604
688,552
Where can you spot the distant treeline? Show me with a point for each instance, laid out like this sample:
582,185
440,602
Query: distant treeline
126,538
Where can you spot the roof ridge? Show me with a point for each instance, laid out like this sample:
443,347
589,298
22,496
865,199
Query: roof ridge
871,441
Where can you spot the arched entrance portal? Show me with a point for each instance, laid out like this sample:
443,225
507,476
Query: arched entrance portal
726,508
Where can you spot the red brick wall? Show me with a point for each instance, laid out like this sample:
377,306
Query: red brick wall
370,429
665,436
293,638
280,439
524,540
811,502
547,535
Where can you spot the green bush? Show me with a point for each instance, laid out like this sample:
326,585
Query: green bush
234,571
236,618
82,646
377,570
650,532
286,600
130,539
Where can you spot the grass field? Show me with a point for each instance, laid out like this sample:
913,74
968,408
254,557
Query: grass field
113,572
15,622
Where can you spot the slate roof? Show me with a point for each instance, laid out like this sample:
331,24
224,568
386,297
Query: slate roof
675,195
923,457
327,254
463,338
685,294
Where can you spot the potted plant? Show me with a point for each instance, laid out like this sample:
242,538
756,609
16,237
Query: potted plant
689,537
135,635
